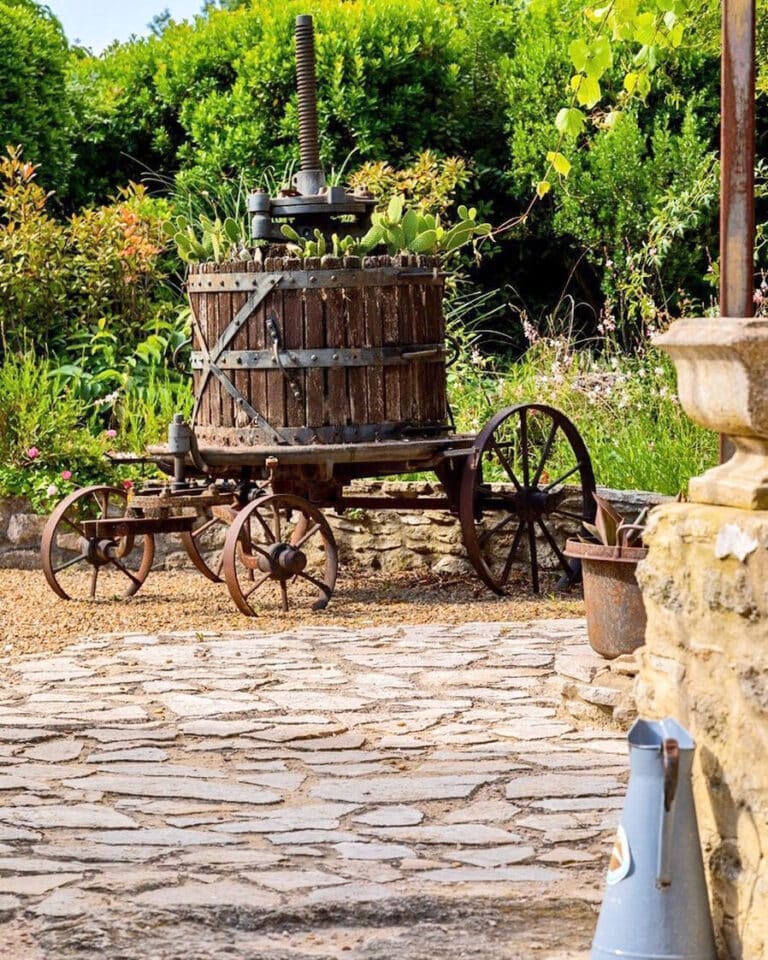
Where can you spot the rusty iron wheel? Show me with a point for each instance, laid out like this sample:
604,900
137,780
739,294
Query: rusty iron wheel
209,518
118,567
535,449
285,541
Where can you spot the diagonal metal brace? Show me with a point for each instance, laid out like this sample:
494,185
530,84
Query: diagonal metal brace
264,284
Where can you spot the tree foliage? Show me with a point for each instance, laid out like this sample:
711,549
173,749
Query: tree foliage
34,108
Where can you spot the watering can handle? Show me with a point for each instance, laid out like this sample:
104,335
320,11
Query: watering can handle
671,757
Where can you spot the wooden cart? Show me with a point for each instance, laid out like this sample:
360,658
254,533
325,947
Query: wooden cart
309,375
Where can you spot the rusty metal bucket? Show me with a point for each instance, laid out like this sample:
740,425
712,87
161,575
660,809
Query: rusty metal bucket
614,604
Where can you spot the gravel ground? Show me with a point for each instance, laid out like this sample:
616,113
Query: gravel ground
32,618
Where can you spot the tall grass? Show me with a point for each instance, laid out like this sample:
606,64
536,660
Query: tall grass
144,410
625,408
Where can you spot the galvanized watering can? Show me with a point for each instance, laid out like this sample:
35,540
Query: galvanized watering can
655,905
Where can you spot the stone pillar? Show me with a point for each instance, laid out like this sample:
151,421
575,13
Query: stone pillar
705,587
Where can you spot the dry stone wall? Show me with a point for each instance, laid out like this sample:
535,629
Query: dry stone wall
387,540
705,662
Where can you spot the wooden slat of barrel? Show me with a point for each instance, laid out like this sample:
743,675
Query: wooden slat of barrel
355,336
240,378
373,337
391,329
314,338
206,305
291,324
275,410
337,409
405,337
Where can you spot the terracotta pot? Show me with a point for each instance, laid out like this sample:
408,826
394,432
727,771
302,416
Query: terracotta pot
614,604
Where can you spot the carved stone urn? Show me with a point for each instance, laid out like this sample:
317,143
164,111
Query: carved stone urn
722,379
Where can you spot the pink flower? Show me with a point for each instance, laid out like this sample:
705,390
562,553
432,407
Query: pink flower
127,484
110,433
33,453
66,474
52,490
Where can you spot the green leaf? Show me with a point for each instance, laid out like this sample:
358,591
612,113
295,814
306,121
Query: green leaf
578,51
289,233
587,90
561,164
425,242
570,121
601,58
410,226
395,208
542,188
645,28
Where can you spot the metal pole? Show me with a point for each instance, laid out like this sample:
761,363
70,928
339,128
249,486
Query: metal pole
737,164
737,151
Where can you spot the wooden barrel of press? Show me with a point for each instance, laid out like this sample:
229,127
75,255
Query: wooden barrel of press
318,351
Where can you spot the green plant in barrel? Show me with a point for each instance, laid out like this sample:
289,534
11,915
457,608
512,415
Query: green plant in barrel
400,230
207,240
410,231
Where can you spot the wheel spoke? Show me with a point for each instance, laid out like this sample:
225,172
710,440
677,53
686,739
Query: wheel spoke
204,526
513,551
487,534
70,563
534,557
257,584
220,564
310,533
545,453
123,569
276,523
505,463
568,514
74,526
564,476
564,563
94,580
524,447
318,583
284,596
270,535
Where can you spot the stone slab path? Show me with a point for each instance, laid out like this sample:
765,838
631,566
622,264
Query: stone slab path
393,792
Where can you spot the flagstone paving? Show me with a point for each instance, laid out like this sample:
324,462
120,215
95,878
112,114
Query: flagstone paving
390,792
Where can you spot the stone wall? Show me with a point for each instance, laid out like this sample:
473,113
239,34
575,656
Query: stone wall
388,540
705,587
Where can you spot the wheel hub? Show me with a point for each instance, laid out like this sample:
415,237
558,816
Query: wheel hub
283,561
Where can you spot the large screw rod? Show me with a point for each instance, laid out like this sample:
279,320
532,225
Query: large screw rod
306,83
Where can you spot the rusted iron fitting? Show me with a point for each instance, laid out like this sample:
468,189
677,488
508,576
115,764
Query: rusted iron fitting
311,178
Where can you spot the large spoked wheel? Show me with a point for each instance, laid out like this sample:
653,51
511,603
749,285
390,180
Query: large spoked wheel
79,566
200,541
537,451
280,544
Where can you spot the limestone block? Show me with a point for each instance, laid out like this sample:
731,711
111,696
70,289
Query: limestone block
25,529
706,664
451,565
20,560
8,509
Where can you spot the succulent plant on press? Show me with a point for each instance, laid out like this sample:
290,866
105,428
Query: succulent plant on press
215,240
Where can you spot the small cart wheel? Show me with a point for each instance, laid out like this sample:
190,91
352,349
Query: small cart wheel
208,519
535,449
118,567
284,541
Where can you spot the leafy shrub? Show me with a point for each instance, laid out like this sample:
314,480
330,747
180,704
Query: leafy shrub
44,449
62,281
218,96
34,107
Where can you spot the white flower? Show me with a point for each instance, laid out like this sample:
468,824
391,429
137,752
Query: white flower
53,490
